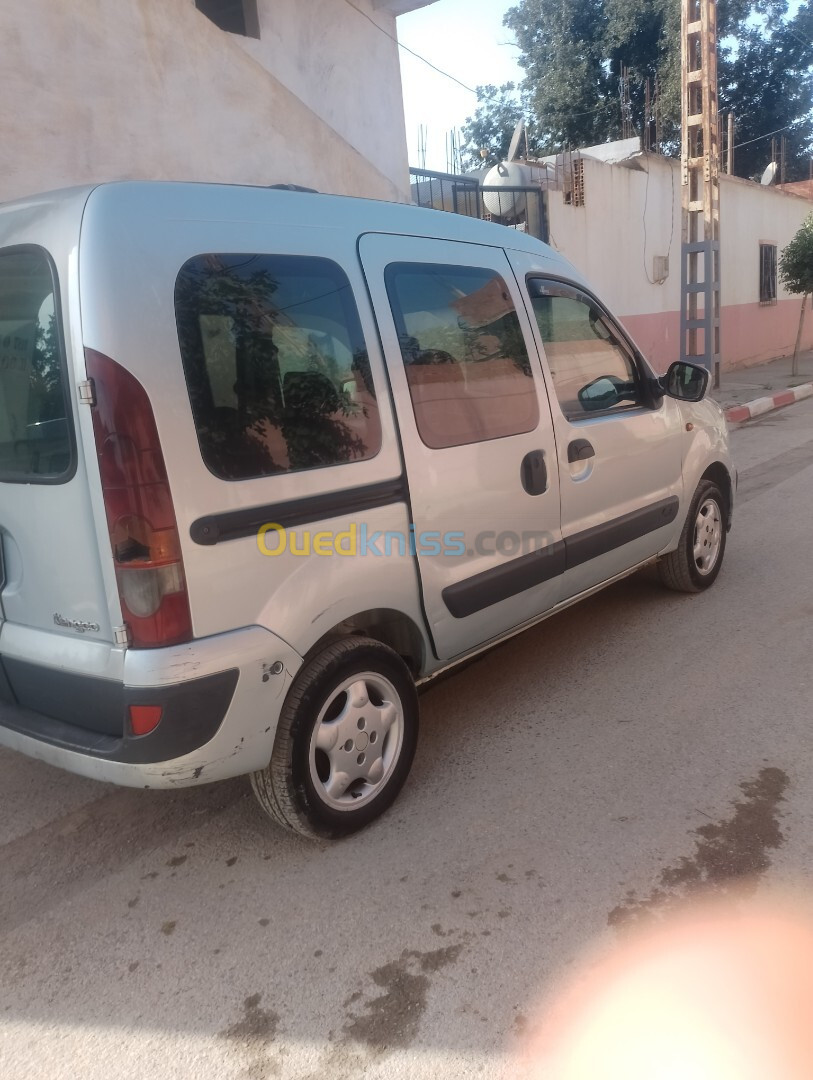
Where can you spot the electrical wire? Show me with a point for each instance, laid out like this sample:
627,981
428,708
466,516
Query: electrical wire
440,71
480,96
643,222
602,105
418,56
497,101
643,219
767,135
672,230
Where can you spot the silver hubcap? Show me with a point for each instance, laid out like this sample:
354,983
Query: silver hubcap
356,741
708,535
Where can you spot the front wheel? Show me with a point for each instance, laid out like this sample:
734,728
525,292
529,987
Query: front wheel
345,741
696,562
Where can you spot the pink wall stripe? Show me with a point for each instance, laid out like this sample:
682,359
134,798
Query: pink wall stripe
749,333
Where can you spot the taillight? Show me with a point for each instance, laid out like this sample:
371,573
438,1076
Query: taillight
140,515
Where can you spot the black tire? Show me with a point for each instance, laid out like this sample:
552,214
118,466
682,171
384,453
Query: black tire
286,788
680,570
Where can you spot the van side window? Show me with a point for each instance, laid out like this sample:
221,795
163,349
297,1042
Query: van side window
591,369
276,365
464,353
36,444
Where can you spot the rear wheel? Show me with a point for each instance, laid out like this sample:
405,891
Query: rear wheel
345,741
696,562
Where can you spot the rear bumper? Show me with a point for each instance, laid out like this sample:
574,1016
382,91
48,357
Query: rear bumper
220,697
191,712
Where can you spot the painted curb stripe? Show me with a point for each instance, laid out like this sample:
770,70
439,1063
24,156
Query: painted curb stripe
759,406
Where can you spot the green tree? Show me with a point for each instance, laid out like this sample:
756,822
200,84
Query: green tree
572,53
490,129
796,274
766,80
569,87
644,36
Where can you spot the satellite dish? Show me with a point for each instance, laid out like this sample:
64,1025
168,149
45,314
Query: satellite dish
769,176
509,204
515,140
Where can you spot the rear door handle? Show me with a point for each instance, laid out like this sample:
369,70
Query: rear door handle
580,450
534,472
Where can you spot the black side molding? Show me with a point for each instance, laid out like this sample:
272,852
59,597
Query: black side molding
235,524
481,591
6,693
602,538
491,586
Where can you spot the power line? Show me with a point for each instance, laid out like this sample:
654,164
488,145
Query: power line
767,135
440,71
643,218
496,101
609,103
418,56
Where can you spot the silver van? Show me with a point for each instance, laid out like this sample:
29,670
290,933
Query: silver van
270,460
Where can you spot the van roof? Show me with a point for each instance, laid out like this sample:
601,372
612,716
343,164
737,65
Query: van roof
223,202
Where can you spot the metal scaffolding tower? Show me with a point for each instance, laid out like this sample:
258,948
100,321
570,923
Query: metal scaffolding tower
700,175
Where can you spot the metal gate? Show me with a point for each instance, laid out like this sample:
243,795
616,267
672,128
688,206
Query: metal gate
465,195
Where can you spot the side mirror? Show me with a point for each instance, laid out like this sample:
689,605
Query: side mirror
686,382
604,393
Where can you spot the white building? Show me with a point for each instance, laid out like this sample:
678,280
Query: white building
629,220
253,91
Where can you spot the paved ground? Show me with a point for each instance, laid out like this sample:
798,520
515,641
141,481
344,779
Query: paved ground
744,384
633,746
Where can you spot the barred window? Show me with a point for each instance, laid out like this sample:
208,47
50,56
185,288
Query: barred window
767,273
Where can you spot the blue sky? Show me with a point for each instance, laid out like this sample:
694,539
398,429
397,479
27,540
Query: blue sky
462,37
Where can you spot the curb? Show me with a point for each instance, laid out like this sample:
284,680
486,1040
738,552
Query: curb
737,414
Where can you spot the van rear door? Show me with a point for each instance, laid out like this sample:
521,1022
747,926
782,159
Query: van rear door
52,584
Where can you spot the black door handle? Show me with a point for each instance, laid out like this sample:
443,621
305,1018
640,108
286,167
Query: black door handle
580,450
534,472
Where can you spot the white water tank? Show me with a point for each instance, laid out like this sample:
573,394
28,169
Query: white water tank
509,204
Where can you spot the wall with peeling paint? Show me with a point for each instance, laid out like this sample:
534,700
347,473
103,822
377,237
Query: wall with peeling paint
109,89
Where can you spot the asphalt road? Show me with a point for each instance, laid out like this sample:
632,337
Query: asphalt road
636,746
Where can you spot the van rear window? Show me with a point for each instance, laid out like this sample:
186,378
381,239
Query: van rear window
35,434
275,363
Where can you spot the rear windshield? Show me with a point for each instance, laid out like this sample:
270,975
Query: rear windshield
275,363
35,434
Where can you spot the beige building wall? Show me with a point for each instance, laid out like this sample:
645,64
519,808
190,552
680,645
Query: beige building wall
108,89
632,214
